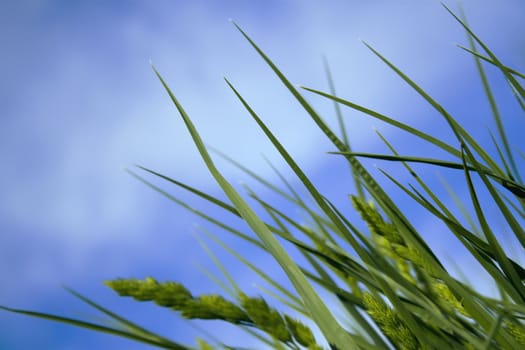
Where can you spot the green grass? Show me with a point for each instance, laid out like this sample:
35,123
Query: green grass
387,280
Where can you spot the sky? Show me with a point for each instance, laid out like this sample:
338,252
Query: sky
79,104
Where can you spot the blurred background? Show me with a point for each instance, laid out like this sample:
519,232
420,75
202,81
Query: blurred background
79,104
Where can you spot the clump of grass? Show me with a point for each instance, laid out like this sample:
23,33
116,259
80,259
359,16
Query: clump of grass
388,280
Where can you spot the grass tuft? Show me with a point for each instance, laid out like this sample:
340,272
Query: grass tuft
392,289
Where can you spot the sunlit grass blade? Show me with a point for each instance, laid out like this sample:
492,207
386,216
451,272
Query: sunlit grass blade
490,337
412,324
295,167
275,213
368,181
438,162
294,198
339,114
319,311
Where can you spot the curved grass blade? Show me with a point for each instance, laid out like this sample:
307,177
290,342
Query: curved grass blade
414,326
331,329
350,308
370,184
135,336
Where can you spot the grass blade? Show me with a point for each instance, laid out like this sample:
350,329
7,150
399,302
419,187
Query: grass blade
333,332
100,328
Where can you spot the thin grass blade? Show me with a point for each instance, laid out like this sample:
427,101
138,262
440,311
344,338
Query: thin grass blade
320,313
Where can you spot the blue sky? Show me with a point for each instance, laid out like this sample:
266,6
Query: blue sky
79,103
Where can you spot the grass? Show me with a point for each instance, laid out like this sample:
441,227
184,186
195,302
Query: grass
387,279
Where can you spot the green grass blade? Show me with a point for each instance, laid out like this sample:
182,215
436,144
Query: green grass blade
488,60
476,246
414,326
520,90
514,187
342,126
473,227
515,226
100,328
199,213
493,243
293,298
435,141
119,319
370,184
331,329
460,133
234,290
338,113
514,206
254,175
442,163
500,154
209,198
493,106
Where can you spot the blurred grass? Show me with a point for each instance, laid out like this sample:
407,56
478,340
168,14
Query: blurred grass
393,290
